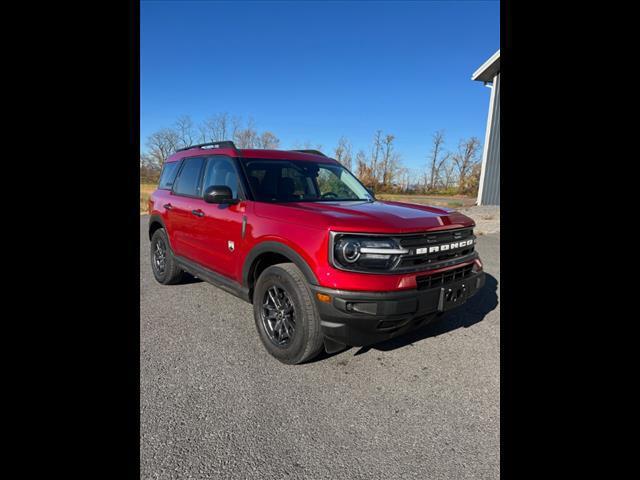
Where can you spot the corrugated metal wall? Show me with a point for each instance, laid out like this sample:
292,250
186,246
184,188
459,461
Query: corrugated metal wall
491,188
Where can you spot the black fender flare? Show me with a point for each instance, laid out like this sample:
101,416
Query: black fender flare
155,218
282,249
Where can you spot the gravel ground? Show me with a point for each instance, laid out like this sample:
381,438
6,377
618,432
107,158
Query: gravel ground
487,218
214,404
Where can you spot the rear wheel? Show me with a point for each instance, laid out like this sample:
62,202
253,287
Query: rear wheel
164,266
285,314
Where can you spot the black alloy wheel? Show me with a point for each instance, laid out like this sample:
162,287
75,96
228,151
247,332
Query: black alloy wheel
278,316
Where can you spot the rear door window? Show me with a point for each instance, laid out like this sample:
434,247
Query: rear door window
188,182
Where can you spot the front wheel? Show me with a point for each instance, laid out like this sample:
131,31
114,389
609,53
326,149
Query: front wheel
285,314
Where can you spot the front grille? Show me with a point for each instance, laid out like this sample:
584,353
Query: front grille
413,261
440,279
422,239
412,242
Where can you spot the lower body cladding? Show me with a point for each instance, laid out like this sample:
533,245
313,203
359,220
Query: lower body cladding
365,318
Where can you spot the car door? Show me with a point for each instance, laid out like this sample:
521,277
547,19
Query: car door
219,232
183,207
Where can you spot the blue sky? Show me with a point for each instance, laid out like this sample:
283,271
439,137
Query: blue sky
318,70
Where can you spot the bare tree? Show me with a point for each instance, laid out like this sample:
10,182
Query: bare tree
404,177
246,137
268,140
395,167
236,126
363,170
383,169
414,182
216,128
473,179
386,165
145,159
465,159
149,169
439,167
161,144
433,162
375,154
185,131
449,173
342,152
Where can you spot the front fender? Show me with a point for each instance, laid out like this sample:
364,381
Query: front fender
282,249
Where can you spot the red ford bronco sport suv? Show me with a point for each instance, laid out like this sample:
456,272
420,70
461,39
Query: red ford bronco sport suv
296,234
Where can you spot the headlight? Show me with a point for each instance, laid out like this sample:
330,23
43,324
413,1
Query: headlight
366,253
348,250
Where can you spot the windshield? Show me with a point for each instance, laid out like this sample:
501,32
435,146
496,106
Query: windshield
302,181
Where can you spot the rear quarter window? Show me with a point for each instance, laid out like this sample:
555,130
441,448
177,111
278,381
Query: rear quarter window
168,175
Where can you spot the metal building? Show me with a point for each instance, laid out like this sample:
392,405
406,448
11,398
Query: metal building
489,190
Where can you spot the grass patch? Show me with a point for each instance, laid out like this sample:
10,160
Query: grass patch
435,200
146,189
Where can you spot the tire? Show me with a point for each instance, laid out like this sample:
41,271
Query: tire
306,339
170,273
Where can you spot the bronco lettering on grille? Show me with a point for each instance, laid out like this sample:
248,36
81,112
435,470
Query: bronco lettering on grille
445,247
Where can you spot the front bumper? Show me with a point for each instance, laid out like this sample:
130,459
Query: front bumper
365,318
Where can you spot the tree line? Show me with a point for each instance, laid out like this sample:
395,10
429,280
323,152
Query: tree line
380,167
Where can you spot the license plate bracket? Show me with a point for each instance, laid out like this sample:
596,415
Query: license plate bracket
453,295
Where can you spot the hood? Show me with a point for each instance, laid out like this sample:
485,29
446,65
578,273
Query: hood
366,217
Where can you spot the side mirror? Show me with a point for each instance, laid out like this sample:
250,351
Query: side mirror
219,194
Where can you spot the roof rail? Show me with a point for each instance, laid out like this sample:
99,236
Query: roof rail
224,144
315,152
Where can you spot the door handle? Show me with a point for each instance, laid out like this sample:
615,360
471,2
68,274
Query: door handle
198,213
168,206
